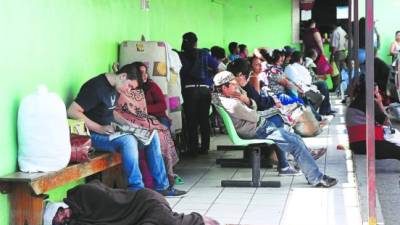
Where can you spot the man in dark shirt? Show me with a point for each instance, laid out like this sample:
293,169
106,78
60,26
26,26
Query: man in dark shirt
95,104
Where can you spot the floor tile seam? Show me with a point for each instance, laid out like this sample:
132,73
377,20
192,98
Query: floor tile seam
285,205
195,183
251,199
360,197
219,194
281,222
327,144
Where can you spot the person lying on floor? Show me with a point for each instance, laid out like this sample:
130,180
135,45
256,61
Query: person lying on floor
95,203
249,125
387,147
240,69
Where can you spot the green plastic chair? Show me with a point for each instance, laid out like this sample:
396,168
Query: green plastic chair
236,140
254,146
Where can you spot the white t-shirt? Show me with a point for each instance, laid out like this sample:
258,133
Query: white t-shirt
221,67
339,40
299,75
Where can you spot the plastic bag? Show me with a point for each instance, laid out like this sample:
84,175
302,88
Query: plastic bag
43,135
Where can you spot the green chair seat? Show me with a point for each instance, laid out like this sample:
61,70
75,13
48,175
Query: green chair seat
254,146
236,140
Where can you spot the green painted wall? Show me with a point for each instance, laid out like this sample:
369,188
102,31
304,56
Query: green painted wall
59,43
385,12
170,19
63,43
266,23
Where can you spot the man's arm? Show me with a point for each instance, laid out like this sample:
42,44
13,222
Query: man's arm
243,98
240,111
334,45
119,118
75,111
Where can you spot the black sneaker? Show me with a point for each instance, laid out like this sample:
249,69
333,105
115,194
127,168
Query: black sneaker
326,181
172,192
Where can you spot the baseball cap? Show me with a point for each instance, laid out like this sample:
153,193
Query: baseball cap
223,77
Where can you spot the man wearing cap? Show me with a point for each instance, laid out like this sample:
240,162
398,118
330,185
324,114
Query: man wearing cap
95,203
249,125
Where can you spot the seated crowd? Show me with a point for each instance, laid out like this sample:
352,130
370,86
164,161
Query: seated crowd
248,87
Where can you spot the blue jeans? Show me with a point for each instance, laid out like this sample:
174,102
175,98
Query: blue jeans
165,121
325,106
128,147
292,143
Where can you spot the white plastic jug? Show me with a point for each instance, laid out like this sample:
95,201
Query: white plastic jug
43,133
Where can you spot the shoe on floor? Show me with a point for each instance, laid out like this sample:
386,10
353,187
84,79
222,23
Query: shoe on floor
317,153
178,179
172,192
289,172
326,182
331,113
328,118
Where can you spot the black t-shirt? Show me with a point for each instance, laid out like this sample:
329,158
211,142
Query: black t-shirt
98,99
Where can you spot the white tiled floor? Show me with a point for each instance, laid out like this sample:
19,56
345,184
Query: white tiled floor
294,203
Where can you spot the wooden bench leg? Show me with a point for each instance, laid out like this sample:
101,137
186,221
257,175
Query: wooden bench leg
26,208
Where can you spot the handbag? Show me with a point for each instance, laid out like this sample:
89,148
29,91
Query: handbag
323,66
314,97
81,144
307,125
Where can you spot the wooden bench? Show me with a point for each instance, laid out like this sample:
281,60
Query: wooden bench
26,191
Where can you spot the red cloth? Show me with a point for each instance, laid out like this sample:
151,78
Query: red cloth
144,168
155,100
358,133
132,106
323,67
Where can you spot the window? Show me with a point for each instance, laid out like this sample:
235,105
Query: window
342,12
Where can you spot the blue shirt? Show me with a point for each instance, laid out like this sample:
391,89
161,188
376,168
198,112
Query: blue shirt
233,57
208,62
